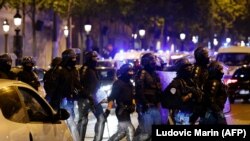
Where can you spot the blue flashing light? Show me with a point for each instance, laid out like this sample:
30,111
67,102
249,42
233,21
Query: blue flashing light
160,51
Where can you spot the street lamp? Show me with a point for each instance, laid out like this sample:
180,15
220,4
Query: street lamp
134,37
66,34
142,33
6,28
18,39
195,39
182,37
228,41
87,28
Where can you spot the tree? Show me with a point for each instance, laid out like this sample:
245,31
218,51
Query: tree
225,13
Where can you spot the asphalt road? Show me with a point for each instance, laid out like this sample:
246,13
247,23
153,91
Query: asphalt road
236,114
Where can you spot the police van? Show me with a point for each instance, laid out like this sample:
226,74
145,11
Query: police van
232,58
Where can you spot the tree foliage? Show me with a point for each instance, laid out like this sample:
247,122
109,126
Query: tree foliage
191,16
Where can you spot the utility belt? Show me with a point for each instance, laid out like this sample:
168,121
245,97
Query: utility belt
150,91
149,105
125,107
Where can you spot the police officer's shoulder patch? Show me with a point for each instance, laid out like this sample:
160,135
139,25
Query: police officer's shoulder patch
173,90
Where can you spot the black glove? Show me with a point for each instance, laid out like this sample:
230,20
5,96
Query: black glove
106,113
131,108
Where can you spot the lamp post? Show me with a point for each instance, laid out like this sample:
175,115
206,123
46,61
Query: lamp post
134,37
66,34
18,39
182,37
87,28
195,40
6,28
215,43
142,33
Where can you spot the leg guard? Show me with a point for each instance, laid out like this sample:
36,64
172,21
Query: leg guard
130,131
83,108
99,128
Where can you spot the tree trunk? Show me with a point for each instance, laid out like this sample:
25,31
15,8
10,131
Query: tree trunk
34,28
55,36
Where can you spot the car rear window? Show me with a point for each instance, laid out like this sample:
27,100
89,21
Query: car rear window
234,59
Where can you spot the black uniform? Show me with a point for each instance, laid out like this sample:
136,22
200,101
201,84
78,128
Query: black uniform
123,94
5,66
28,75
49,78
68,89
215,96
182,96
91,82
147,95
201,55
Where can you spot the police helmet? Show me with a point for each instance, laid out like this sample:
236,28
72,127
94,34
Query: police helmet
215,67
200,53
5,58
181,64
28,60
56,61
125,68
146,58
89,55
68,54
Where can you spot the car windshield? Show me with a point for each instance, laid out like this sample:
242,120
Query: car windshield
234,59
104,64
106,74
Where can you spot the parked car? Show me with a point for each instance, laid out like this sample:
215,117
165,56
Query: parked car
26,116
239,84
232,58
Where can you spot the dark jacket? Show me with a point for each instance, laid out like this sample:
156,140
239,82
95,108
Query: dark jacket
147,88
90,80
122,93
29,77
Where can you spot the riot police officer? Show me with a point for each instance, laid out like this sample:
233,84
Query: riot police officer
182,96
122,93
91,82
201,55
202,59
68,89
50,77
215,95
5,66
147,95
28,75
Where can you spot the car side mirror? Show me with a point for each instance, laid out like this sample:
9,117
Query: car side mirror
62,114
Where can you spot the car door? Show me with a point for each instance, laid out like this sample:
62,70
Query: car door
13,117
41,124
